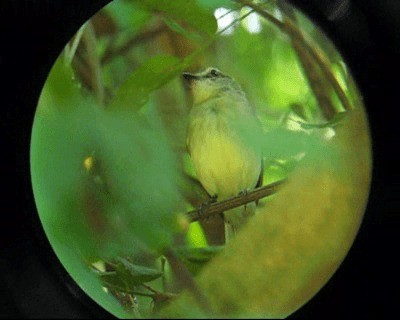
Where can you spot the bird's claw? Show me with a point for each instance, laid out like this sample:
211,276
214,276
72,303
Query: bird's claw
244,193
212,199
203,207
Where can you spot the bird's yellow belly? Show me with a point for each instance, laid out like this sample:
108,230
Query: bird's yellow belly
224,165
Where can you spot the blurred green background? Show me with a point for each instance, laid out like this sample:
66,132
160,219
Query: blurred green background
112,178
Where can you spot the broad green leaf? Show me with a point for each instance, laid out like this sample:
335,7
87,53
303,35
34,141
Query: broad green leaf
151,75
128,14
138,163
60,138
116,208
188,11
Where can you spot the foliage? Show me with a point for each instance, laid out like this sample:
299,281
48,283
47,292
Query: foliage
112,180
126,275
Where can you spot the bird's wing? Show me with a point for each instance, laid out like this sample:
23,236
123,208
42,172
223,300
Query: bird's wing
187,144
260,178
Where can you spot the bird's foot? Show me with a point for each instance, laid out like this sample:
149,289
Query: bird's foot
203,207
244,193
212,199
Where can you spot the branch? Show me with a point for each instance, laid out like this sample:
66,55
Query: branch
237,201
297,37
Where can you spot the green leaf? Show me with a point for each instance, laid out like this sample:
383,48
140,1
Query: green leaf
60,138
128,275
151,75
175,26
195,236
189,11
116,208
128,14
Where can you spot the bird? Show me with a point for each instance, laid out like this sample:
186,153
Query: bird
223,141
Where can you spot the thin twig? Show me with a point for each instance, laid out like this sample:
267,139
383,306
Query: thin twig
237,201
234,22
263,13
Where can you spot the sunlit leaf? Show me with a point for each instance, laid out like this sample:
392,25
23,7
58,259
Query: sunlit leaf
196,236
289,85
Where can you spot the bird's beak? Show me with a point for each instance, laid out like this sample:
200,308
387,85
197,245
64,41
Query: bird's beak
189,78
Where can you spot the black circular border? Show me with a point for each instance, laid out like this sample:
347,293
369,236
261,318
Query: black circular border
32,281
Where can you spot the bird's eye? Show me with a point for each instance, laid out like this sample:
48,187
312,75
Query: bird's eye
214,73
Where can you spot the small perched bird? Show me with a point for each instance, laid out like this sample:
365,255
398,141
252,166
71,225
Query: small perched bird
223,141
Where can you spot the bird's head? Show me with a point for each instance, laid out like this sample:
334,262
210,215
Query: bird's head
210,83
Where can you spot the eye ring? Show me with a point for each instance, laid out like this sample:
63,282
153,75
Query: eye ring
214,72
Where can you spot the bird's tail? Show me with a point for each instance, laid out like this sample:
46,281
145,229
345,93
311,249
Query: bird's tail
235,218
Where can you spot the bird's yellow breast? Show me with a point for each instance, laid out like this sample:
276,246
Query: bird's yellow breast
224,163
